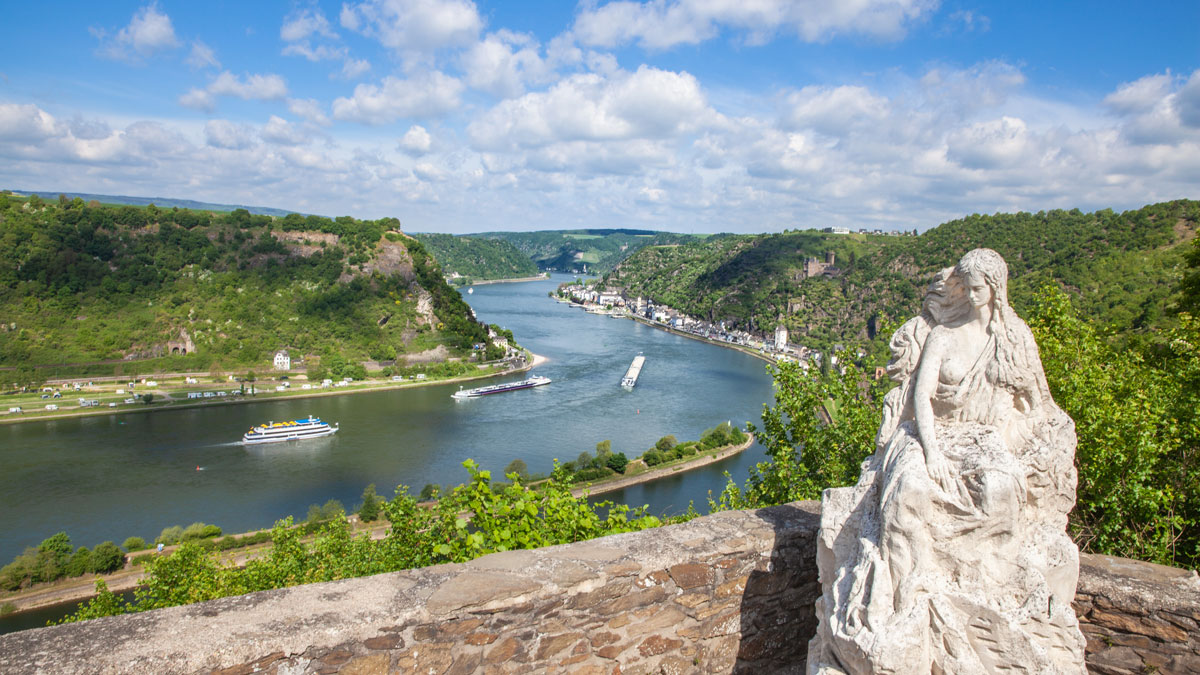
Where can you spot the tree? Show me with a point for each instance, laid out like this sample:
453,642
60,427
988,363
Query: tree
147,398
666,443
369,511
603,448
107,558
518,467
430,491
617,461
53,554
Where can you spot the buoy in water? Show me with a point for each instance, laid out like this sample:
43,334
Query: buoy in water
197,467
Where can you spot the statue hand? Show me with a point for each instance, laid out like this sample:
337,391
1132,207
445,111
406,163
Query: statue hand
938,468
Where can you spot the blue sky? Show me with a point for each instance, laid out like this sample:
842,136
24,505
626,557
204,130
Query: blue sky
685,115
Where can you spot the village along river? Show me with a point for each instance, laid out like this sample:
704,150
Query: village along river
111,477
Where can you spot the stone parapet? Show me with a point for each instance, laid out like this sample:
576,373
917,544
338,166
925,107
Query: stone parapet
730,592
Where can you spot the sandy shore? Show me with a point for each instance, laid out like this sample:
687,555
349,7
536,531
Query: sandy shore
485,282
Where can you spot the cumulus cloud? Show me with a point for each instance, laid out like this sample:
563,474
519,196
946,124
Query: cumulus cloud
26,122
430,94
1158,109
503,63
414,28
256,87
661,24
149,31
648,103
416,141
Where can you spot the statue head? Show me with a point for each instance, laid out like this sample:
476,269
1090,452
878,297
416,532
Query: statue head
985,264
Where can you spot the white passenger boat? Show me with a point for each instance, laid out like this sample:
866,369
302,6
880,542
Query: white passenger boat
295,430
535,381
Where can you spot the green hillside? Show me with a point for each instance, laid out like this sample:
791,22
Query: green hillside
571,250
478,259
137,286
1121,268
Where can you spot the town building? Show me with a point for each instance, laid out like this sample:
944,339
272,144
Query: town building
282,360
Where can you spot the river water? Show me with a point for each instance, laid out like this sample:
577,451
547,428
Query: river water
112,477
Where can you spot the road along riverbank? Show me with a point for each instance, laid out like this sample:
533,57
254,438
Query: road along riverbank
171,403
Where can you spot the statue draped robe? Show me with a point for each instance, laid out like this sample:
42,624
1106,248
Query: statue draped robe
977,577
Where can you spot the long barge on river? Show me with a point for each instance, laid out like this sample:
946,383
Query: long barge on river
535,381
635,369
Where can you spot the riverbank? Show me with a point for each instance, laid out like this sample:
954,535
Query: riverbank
366,386
622,482
541,277
719,343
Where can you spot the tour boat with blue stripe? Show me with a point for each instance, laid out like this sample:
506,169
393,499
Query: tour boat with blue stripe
295,430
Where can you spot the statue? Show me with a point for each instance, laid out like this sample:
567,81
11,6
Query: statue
951,554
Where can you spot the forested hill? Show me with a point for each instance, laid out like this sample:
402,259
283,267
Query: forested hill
597,249
1122,268
83,283
477,259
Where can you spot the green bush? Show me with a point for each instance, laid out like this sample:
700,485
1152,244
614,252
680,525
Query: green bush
653,458
142,559
107,558
592,473
369,511
665,443
169,536
134,544
80,563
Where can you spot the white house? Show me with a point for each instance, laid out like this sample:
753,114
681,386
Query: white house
781,336
282,360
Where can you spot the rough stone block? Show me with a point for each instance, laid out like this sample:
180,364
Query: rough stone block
657,644
691,575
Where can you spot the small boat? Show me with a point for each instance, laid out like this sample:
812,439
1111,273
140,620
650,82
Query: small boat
470,291
295,430
535,381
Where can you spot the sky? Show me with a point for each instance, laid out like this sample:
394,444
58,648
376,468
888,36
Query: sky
681,115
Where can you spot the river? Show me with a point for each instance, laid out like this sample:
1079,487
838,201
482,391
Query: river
107,478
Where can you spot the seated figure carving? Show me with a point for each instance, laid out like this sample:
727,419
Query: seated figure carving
951,554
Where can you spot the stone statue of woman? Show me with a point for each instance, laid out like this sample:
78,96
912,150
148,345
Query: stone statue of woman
951,554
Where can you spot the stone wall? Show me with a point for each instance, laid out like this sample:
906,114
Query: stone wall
731,592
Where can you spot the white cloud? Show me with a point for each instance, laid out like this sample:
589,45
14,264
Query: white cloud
994,144
309,109
228,135
661,24
1140,95
428,95
281,132
198,99
414,27
303,23
318,53
202,56
26,122
416,141
353,69
503,62
269,87
833,110
1188,101
148,31
649,103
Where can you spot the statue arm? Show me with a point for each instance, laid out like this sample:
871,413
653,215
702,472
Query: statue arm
928,372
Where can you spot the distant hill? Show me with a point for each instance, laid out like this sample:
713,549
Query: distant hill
477,259
1123,270
161,202
599,250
